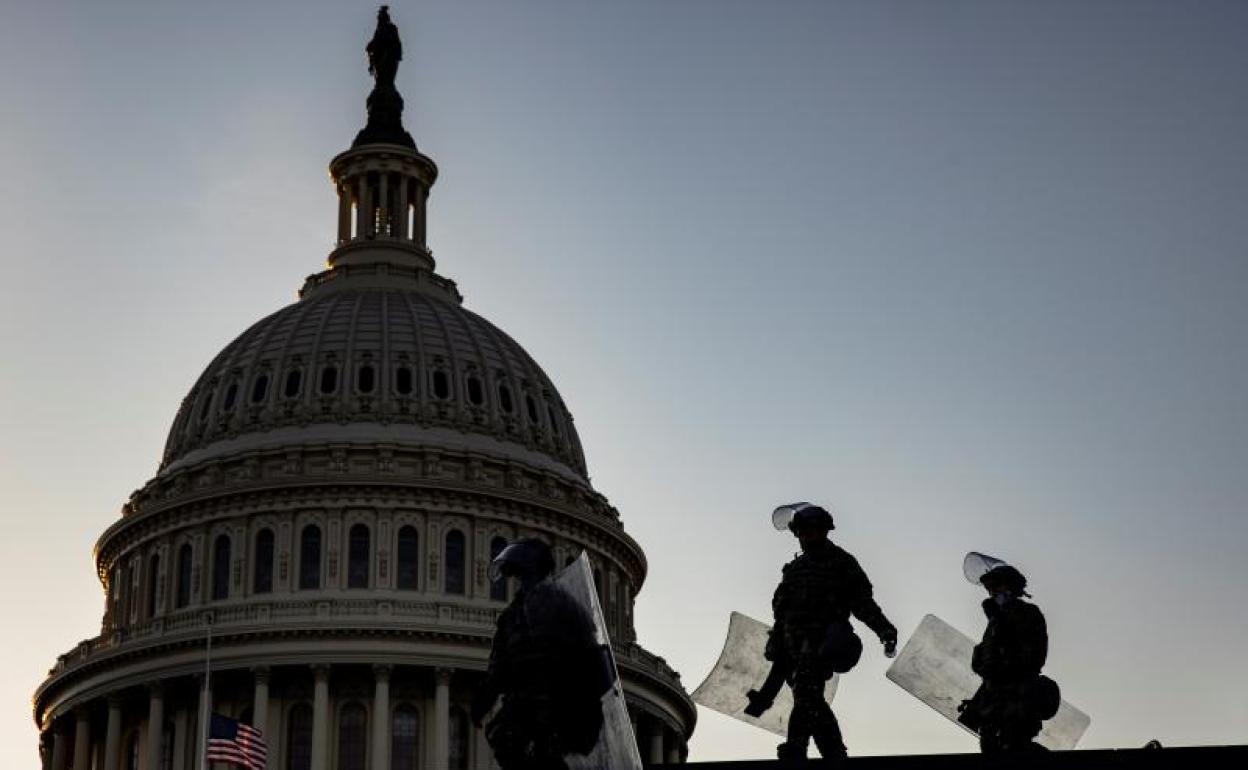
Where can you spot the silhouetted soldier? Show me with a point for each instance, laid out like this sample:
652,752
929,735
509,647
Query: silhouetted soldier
1015,698
545,664
812,638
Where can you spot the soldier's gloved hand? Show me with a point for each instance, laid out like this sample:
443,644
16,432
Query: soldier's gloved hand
890,644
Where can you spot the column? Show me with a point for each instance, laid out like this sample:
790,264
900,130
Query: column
112,736
673,750
380,754
260,703
402,214
442,716
344,213
383,204
60,750
320,717
361,205
155,724
82,740
655,754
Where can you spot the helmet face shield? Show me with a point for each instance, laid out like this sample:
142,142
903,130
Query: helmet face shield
782,517
528,559
977,564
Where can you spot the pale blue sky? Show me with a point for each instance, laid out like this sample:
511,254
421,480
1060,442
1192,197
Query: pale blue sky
971,274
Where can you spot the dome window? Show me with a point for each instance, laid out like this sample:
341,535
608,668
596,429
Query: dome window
504,399
153,578
310,558
455,569
263,581
358,548
531,406
554,424
476,393
403,381
409,558
205,406
498,588
294,383
185,556
231,395
260,389
366,378
329,380
441,385
221,568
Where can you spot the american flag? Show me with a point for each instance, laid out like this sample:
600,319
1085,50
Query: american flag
236,743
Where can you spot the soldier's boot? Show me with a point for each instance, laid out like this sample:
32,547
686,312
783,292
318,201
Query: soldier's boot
791,751
830,745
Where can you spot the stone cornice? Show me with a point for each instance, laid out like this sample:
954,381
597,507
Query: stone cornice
449,634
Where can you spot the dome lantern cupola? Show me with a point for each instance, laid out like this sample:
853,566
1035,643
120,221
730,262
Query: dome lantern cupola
383,181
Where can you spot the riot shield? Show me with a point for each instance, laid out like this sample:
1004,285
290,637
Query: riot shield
935,667
741,667
617,746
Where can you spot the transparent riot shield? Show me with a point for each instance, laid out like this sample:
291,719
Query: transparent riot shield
935,667
617,746
741,667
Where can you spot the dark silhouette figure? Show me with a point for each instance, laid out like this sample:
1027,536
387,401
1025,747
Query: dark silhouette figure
385,50
547,667
385,105
812,638
1015,698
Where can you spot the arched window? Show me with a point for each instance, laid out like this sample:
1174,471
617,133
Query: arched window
221,568
458,759
598,588
310,558
358,556
329,379
294,383
153,573
352,737
504,399
299,738
454,583
409,559
498,589
403,381
405,738
185,555
260,389
365,378
132,591
262,582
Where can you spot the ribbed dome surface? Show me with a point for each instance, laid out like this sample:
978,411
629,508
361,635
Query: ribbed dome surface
377,355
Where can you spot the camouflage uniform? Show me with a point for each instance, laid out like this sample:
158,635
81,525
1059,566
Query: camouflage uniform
547,667
818,592
1008,708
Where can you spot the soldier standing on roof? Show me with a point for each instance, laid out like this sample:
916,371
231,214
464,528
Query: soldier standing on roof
812,638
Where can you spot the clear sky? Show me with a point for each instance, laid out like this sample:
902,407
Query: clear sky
971,274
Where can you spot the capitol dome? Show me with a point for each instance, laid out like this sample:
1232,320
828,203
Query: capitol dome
380,362
332,490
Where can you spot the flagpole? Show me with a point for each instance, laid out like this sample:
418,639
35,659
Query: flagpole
206,698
